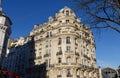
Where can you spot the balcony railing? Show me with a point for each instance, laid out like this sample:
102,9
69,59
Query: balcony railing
78,76
69,75
87,57
47,36
59,75
59,43
51,65
77,54
39,57
59,53
47,55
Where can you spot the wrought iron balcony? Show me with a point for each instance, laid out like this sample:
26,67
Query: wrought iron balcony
51,65
86,57
77,54
46,55
47,36
59,43
69,75
78,76
39,57
59,53
59,75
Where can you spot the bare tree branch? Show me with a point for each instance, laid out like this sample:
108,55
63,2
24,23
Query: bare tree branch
100,13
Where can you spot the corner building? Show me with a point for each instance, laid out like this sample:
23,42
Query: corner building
66,46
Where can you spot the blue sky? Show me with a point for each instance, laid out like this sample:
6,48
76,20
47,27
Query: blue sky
25,13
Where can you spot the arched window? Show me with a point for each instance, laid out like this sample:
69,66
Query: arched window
60,41
67,40
50,34
46,44
69,73
68,48
59,60
67,13
68,60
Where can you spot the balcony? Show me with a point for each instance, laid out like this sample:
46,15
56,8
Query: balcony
59,53
59,43
78,76
51,65
59,75
69,75
77,54
67,64
39,57
85,67
47,36
87,57
47,55
69,52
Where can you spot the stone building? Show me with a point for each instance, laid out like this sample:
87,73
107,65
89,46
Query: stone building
110,73
5,31
64,48
118,72
61,48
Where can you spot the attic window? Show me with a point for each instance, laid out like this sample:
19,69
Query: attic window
67,13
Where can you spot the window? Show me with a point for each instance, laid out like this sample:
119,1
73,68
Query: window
59,73
68,48
67,40
50,34
59,60
50,43
47,52
69,73
67,13
46,43
46,62
82,61
67,21
59,30
60,21
49,62
68,59
47,35
75,40
60,41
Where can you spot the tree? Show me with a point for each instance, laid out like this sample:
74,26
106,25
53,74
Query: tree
100,13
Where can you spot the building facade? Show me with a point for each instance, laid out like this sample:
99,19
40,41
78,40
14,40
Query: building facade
65,46
5,31
17,59
61,48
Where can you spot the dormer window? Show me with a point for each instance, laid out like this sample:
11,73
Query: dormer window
67,13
